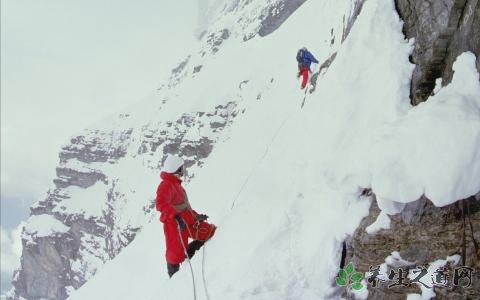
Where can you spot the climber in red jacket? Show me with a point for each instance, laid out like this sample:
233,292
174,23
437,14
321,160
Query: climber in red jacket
180,221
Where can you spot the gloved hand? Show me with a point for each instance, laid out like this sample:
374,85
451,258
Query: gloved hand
180,222
202,217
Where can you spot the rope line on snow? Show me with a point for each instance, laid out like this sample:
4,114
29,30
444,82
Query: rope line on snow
260,160
188,260
272,140
203,272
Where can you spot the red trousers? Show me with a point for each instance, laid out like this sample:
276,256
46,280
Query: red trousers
176,247
304,73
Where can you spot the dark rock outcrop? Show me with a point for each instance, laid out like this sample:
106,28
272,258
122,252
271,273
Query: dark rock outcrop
197,69
171,138
49,257
422,234
214,40
67,177
443,29
179,72
95,146
277,14
323,68
357,9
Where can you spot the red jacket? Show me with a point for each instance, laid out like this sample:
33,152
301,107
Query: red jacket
170,194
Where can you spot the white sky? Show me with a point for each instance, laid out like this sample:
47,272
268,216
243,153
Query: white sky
66,64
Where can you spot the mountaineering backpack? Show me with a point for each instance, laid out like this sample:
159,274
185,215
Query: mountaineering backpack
300,56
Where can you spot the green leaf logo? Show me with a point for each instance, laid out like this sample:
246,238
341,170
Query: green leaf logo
347,275
350,268
357,286
356,277
341,282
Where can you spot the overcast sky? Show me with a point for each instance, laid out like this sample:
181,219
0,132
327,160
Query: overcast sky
66,64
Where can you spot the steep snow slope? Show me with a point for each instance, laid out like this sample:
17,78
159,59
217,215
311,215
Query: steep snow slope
103,190
284,186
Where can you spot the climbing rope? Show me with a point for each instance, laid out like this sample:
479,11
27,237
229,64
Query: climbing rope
188,260
260,160
203,272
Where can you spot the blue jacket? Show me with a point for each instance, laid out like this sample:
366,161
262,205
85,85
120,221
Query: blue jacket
306,60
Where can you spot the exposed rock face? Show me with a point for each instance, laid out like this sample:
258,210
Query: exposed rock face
53,254
214,40
277,14
179,72
357,9
323,68
422,234
253,17
92,147
442,29
68,177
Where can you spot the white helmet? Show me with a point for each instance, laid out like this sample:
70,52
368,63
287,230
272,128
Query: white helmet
172,163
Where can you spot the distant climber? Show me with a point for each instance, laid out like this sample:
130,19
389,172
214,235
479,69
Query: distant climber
180,221
305,59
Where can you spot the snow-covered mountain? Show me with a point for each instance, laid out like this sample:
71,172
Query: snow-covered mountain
286,185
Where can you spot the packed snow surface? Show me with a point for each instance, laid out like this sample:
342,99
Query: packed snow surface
382,222
284,187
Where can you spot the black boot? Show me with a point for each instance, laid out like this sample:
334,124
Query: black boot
194,246
172,269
